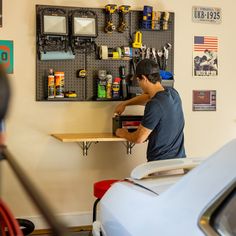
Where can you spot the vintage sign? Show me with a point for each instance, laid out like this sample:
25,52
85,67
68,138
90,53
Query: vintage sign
6,55
205,56
206,14
204,100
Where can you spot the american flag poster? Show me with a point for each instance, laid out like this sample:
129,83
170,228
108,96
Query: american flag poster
205,58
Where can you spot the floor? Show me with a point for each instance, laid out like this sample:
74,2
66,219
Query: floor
79,233
83,233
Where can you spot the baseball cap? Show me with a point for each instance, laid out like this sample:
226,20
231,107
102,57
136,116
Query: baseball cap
147,67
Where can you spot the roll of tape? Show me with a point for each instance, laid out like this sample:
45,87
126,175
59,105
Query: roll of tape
103,53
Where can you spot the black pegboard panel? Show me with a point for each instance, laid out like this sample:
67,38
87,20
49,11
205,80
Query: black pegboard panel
86,88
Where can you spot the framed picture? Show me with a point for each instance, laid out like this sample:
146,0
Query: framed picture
205,56
6,55
204,100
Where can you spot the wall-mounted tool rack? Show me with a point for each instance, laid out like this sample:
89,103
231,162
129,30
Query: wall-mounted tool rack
86,88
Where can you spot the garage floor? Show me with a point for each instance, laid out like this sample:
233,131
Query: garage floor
82,233
74,232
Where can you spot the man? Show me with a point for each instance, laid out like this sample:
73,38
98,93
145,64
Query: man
163,120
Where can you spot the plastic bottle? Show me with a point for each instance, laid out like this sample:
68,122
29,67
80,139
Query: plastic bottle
109,85
51,84
101,93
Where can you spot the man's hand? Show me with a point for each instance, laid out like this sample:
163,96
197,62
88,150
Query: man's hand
138,136
119,109
2,138
121,132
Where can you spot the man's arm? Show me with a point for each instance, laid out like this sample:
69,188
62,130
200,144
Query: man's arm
139,136
138,100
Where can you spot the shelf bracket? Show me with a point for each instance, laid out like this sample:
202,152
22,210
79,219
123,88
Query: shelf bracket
85,146
129,146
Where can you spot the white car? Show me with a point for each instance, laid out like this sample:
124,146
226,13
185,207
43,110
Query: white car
201,202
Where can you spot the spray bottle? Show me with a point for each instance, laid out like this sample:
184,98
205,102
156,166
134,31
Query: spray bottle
101,92
51,84
116,88
109,85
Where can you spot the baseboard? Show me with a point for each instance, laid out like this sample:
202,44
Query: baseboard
72,220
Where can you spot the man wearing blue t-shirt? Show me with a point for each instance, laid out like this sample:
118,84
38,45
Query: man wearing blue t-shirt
163,120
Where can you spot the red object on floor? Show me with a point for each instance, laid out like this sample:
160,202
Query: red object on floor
8,224
99,189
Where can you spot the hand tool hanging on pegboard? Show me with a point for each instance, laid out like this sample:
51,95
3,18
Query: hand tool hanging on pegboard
163,55
123,11
154,54
166,49
137,40
109,10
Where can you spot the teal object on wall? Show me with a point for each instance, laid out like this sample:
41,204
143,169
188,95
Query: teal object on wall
56,56
7,55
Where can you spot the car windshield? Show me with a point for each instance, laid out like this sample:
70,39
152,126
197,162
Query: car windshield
224,219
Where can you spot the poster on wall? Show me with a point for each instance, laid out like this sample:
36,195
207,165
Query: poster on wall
205,56
0,13
204,100
6,55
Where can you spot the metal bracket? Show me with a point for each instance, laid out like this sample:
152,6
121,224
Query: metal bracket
128,146
85,147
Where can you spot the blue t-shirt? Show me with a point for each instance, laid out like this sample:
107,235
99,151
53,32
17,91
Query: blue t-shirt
164,116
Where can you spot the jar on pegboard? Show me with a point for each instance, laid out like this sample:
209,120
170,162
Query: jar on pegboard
60,83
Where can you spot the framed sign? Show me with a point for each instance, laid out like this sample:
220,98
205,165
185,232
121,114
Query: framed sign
0,13
204,100
206,14
205,57
6,55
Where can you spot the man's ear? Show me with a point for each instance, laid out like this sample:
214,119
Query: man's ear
144,77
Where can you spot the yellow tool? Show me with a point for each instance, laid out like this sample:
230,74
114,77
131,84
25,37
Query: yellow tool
137,40
166,16
109,10
123,10
70,94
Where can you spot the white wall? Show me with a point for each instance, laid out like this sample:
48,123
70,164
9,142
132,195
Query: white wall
66,177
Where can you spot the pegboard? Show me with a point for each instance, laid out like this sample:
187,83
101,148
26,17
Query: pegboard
86,88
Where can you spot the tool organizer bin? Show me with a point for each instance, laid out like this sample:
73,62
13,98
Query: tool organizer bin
86,88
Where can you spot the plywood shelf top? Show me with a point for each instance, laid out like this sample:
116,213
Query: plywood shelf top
87,137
